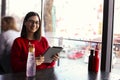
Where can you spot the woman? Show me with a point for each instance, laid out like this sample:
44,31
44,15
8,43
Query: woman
9,33
31,32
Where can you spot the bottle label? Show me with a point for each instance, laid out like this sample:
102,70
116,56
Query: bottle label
31,57
31,65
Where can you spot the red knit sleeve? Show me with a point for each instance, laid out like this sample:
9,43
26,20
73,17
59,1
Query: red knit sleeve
16,63
45,42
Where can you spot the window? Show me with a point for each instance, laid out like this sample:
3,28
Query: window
20,8
76,27
116,39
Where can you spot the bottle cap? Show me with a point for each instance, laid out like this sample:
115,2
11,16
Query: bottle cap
31,47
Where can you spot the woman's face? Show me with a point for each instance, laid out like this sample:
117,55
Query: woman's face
32,24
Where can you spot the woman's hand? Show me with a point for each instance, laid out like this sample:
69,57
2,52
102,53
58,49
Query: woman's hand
55,57
39,60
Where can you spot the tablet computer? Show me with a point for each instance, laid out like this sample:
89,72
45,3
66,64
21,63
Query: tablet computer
50,52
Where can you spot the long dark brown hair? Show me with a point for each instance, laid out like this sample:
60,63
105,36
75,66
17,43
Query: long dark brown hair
37,34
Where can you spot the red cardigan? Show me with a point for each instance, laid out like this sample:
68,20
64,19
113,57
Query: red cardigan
19,53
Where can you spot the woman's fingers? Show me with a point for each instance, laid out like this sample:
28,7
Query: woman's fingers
55,57
39,60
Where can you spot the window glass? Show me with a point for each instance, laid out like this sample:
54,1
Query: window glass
116,39
77,27
19,8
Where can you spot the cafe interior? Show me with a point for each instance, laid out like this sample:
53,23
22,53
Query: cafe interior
78,27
